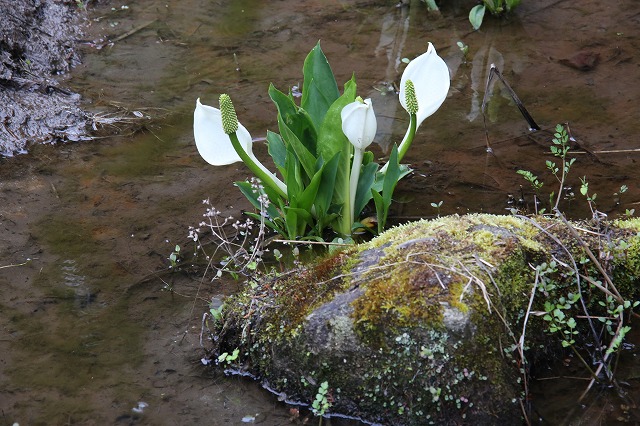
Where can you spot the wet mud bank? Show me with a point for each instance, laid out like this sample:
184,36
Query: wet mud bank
38,42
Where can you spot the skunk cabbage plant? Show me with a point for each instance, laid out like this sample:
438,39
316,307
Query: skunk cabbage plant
320,150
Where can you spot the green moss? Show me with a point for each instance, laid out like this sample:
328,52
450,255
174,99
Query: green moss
418,285
631,224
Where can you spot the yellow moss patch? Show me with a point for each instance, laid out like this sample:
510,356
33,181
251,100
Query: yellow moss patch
426,265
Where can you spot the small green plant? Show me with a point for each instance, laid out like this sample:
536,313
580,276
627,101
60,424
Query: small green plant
559,148
591,197
321,403
216,312
617,196
464,48
437,206
228,358
559,321
495,7
174,258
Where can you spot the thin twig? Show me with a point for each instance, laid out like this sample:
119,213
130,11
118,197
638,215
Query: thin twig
586,248
16,264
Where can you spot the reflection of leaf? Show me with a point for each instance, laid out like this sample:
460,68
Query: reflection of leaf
476,15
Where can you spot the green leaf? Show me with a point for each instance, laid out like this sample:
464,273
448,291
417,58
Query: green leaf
327,187
296,220
270,224
277,151
389,182
379,203
319,89
294,178
331,139
404,171
476,16
291,223
365,183
304,156
308,195
296,119
391,177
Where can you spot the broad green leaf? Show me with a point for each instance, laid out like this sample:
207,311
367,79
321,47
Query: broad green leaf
391,177
331,139
291,223
379,202
297,220
308,196
319,88
277,151
305,157
476,15
294,179
327,186
296,118
365,183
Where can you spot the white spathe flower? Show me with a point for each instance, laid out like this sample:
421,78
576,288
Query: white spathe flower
359,123
430,76
212,142
215,147
359,126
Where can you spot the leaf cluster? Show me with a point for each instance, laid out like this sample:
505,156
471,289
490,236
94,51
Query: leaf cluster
313,156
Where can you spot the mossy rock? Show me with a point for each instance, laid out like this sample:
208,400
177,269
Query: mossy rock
420,325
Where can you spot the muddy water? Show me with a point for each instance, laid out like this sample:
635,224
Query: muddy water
96,330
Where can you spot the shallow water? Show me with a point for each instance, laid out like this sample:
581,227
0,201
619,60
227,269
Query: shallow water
91,328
